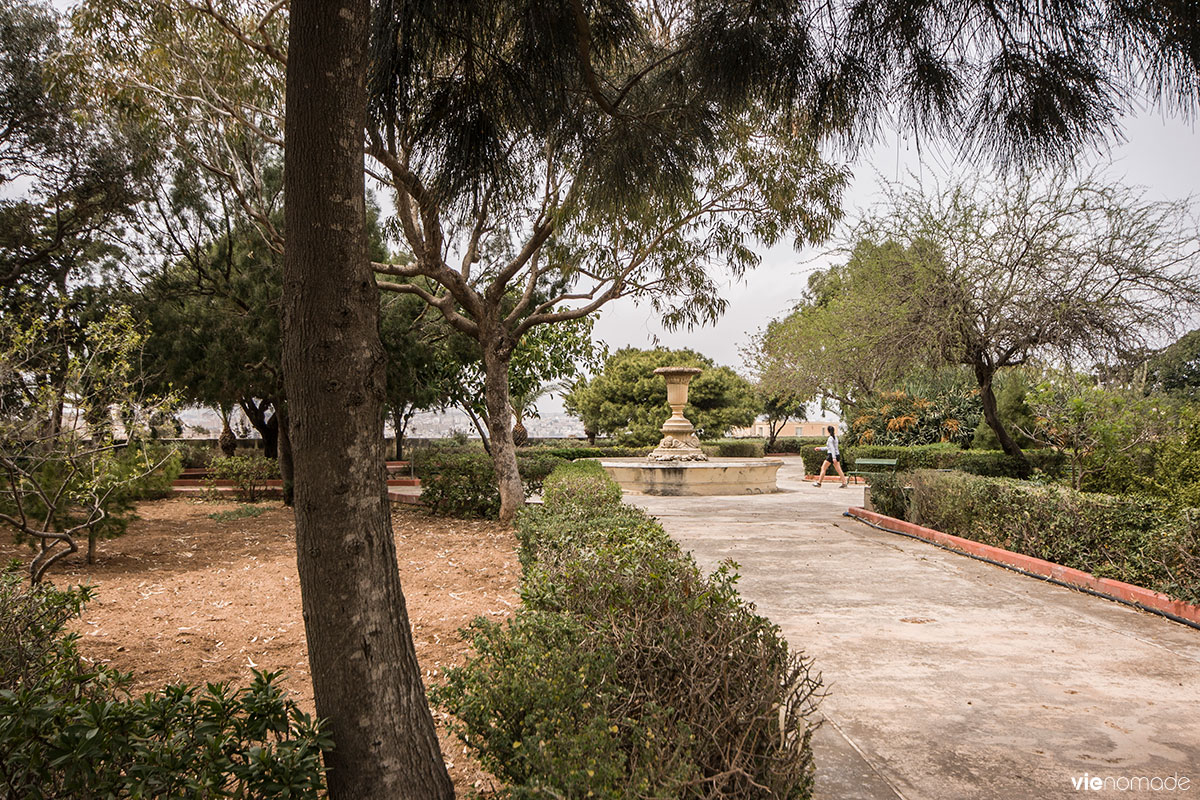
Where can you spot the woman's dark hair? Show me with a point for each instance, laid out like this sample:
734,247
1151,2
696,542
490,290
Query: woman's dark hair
832,431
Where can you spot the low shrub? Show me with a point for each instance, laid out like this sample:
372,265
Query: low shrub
734,448
889,494
627,672
463,483
571,453
991,463
1138,540
535,467
69,729
249,474
581,479
459,485
794,444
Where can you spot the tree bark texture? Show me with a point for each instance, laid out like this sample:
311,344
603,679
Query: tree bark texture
496,358
268,429
286,470
365,675
991,412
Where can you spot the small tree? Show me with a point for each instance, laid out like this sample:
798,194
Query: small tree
1097,427
59,483
992,275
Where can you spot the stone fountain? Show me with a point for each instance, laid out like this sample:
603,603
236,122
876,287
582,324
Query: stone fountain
679,467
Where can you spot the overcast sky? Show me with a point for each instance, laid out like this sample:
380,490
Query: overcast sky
1160,154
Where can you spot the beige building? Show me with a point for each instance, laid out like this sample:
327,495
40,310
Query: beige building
761,430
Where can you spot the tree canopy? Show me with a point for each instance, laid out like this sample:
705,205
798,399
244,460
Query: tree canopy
990,275
628,401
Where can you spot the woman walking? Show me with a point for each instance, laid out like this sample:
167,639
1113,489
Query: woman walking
832,456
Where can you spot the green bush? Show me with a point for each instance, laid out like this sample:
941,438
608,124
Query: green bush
581,479
249,474
456,483
627,673
535,467
992,463
69,729
157,484
888,494
734,448
459,485
795,444
1143,541
570,453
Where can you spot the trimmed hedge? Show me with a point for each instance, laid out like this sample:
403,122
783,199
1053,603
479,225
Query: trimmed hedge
795,444
463,483
992,463
1143,541
583,451
626,672
733,448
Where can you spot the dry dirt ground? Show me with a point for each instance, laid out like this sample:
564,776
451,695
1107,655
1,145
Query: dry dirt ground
183,597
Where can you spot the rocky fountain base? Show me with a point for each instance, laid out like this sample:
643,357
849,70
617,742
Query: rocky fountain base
678,467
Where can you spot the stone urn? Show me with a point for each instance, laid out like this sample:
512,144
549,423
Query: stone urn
679,442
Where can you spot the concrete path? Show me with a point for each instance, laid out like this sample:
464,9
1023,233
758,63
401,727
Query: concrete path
950,678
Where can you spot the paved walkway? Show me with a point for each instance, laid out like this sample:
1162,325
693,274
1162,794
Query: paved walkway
950,678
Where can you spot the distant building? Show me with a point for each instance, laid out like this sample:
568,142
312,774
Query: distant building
761,429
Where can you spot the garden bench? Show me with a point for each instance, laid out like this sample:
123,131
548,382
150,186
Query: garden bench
875,466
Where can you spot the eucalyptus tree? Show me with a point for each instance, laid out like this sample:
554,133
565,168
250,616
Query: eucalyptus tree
69,171
992,274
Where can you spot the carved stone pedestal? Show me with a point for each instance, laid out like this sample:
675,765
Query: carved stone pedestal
679,441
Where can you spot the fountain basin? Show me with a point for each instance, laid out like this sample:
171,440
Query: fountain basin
717,476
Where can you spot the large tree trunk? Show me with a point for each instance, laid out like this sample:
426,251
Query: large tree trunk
287,471
991,414
496,358
268,429
365,675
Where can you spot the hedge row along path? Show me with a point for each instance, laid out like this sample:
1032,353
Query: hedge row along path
949,677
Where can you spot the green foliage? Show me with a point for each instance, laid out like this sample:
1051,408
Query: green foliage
67,475
577,479
888,494
581,695
459,485
1143,541
628,401
734,448
462,483
583,451
68,728
993,463
1011,388
1106,434
535,467
794,444
243,511
1175,370
848,337
900,418
1176,470
248,473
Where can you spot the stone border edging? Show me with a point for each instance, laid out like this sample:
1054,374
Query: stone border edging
1106,587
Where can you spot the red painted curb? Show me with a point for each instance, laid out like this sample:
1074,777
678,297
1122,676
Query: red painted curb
1047,569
